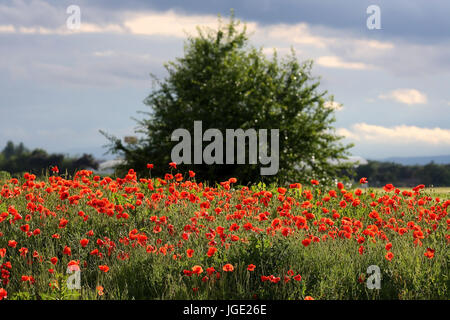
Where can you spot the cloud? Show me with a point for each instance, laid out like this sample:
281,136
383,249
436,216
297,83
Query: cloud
419,21
406,96
7,28
333,105
402,134
333,47
337,62
63,30
299,33
31,13
167,23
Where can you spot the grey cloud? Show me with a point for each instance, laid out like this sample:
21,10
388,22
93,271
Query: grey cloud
86,60
418,20
421,21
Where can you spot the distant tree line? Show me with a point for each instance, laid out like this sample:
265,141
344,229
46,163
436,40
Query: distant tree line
380,173
18,159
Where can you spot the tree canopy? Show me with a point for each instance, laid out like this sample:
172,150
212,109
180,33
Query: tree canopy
17,159
227,84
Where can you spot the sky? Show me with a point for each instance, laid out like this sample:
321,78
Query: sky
59,86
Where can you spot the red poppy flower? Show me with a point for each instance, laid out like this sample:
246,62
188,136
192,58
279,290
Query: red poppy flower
228,267
251,267
232,180
187,273
210,270
389,256
3,294
197,269
361,250
306,242
62,223
104,268
84,242
67,251
211,251
23,251
429,253
99,290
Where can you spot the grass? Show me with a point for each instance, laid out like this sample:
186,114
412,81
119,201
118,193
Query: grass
302,241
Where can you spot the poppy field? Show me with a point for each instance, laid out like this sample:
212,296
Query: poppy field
173,237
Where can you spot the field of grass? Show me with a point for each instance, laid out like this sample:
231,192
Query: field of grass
176,238
434,192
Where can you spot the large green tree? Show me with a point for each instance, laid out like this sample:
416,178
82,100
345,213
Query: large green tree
227,84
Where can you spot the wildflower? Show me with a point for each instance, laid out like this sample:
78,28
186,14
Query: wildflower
210,270
232,180
361,250
389,256
104,268
100,290
84,242
23,251
228,267
3,294
298,278
306,242
74,265
12,243
197,269
211,251
29,279
187,273
429,253
67,251
251,267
